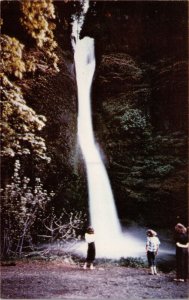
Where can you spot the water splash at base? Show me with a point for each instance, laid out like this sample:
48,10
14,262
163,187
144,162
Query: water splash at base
132,243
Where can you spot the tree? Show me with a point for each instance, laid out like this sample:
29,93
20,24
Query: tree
20,124
37,16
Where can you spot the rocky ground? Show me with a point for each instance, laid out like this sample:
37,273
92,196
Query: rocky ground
57,279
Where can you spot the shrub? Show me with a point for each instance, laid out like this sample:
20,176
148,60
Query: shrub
26,220
133,118
132,262
20,208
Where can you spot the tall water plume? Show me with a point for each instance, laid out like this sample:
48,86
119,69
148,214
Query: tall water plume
103,215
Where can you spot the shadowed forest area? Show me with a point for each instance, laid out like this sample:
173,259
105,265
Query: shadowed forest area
140,119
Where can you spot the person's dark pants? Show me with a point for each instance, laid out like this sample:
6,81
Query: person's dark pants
151,256
182,262
91,252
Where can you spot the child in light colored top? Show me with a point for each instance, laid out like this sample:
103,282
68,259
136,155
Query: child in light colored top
152,247
91,251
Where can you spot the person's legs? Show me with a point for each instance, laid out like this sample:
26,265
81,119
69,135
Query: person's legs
178,263
154,263
150,262
92,253
185,264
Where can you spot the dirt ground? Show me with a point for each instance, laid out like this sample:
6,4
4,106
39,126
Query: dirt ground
60,280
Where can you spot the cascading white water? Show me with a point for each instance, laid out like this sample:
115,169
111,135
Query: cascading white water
101,203
110,240
103,215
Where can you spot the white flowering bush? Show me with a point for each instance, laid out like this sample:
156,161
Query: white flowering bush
27,221
21,206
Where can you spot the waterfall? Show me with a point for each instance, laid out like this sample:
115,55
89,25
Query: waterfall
103,215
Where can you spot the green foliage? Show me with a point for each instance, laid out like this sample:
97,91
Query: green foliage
37,16
132,262
148,168
13,61
153,160
133,118
21,207
19,124
147,165
164,170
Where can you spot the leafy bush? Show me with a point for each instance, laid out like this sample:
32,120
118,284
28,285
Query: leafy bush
133,118
21,206
132,262
13,60
19,124
26,221
164,170
37,20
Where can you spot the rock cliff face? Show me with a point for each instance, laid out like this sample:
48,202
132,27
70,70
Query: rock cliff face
139,101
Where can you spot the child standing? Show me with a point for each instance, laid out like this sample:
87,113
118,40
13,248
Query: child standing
91,251
152,247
